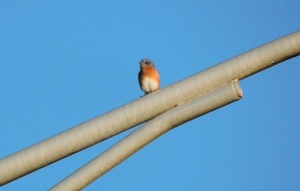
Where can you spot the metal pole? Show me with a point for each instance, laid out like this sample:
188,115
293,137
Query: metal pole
146,108
149,132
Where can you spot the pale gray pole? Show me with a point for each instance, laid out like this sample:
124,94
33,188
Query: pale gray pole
150,131
146,108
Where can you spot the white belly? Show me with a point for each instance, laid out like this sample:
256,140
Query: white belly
149,85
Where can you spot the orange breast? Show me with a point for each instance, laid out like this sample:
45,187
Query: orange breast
150,72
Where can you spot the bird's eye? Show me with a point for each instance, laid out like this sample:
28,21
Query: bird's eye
147,63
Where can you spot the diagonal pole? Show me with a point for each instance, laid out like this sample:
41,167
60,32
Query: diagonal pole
109,124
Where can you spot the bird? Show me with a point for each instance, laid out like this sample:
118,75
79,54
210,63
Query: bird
148,76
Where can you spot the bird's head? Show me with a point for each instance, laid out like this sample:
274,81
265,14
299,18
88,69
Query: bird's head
146,62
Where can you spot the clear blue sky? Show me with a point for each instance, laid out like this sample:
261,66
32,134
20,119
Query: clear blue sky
65,62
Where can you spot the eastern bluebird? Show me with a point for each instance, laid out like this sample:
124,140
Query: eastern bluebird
148,76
